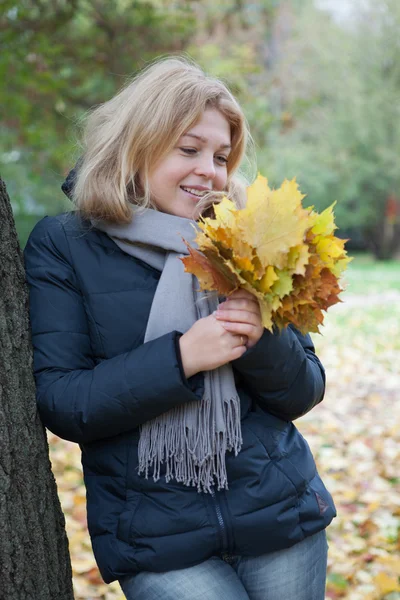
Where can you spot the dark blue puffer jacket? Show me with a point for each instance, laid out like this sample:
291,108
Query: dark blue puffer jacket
97,382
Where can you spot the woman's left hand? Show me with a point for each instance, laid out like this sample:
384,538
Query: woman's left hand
240,314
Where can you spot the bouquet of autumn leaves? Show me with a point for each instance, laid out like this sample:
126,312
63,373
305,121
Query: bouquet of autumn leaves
285,255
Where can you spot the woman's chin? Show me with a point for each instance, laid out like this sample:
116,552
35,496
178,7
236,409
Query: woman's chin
190,214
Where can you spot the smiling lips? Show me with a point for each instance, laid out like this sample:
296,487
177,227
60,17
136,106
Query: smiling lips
198,192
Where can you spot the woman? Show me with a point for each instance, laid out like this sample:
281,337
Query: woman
198,483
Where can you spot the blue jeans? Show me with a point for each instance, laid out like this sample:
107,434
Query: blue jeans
297,573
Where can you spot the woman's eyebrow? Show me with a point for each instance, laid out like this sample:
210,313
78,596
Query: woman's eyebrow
203,139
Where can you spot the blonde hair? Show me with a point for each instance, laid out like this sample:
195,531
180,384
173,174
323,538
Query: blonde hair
140,125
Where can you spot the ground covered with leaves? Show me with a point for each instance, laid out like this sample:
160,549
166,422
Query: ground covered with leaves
354,434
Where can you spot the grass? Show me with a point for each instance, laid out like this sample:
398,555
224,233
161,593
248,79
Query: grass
365,275
368,319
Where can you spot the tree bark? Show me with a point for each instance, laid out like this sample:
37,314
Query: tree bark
34,557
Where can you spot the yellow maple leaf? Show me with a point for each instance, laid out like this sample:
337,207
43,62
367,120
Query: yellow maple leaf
298,258
257,190
323,223
341,265
329,249
267,280
243,263
273,221
224,222
226,211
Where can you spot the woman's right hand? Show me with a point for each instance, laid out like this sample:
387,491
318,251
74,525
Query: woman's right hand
207,345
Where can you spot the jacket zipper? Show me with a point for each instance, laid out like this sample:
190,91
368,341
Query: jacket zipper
221,523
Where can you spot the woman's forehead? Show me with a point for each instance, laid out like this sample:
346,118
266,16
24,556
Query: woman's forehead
211,126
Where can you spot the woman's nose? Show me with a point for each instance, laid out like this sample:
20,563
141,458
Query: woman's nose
206,167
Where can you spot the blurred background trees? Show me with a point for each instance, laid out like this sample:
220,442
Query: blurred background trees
340,113
321,93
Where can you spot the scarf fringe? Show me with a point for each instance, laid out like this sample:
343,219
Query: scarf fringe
191,456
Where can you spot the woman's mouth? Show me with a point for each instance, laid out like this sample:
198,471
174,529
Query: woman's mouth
194,193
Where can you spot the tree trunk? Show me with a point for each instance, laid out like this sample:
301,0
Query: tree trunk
34,557
384,239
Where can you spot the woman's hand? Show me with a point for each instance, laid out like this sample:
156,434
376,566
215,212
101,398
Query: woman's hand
240,314
208,345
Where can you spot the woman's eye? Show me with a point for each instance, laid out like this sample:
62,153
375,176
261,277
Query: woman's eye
189,151
194,151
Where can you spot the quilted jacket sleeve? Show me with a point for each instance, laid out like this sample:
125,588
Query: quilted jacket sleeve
78,399
283,373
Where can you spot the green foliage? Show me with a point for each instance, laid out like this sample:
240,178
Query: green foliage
339,130
73,56
59,59
321,98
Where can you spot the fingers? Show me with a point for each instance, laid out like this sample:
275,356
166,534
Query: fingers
241,329
242,294
240,304
238,352
241,300
238,316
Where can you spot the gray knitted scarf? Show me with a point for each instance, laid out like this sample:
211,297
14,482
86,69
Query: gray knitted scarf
191,439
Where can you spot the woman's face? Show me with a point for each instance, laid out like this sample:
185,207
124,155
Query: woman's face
195,166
